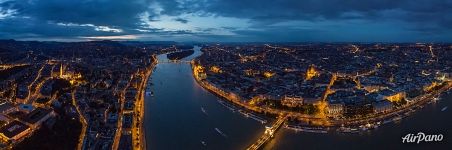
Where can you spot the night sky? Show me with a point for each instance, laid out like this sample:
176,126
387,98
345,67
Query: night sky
228,20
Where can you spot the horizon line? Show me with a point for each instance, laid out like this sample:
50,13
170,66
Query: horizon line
116,40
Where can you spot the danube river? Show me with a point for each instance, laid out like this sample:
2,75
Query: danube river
182,115
429,120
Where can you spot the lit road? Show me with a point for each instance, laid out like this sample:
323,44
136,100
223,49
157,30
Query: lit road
37,92
32,83
82,120
120,116
138,141
137,132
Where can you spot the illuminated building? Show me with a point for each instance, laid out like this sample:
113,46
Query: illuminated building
199,72
61,71
334,110
311,73
268,74
233,96
430,87
443,77
251,72
14,131
396,97
292,101
256,99
383,106
373,88
216,69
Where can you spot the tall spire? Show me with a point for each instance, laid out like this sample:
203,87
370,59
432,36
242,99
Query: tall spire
61,70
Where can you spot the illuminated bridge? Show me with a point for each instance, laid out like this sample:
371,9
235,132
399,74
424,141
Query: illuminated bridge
174,61
268,134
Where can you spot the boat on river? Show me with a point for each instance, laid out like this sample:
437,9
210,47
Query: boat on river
257,118
203,110
227,105
444,108
219,132
203,143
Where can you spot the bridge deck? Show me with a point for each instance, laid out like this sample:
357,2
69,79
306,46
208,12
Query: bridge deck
268,134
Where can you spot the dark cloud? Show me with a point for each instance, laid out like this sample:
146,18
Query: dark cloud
40,18
411,18
374,20
322,9
179,32
181,20
273,11
204,30
98,12
177,7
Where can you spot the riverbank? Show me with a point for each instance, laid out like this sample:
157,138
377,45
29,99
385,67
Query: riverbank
179,55
140,110
431,119
182,115
398,113
366,123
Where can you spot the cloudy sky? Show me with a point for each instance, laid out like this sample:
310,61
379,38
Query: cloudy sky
228,20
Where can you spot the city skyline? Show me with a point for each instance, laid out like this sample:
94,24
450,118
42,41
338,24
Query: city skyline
225,74
227,21
137,95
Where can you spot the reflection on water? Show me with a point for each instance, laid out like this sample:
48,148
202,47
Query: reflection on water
182,115
175,117
430,120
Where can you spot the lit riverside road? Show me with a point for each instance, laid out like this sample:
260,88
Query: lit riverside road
174,119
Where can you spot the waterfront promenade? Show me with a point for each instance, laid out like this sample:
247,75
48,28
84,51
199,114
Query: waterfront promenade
316,119
324,123
138,130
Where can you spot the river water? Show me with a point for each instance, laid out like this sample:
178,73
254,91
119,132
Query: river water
174,118
429,120
182,115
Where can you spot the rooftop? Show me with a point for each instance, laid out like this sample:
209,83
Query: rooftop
13,128
36,115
